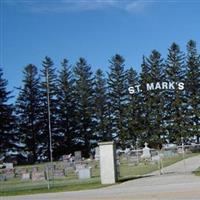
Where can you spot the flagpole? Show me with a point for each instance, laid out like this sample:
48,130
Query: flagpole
49,116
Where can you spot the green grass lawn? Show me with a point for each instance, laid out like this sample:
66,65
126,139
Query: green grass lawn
71,183
128,172
29,187
197,172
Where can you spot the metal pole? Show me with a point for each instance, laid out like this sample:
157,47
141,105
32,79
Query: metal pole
183,153
49,116
137,151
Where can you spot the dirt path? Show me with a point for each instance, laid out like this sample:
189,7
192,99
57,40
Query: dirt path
178,186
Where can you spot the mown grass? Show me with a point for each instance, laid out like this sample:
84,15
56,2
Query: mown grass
197,172
177,158
41,187
128,172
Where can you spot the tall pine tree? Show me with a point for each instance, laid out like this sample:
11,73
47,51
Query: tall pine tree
101,107
143,102
174,105
84,88
66,111
193,90
133,109
154,99
118,96
7,135
28,112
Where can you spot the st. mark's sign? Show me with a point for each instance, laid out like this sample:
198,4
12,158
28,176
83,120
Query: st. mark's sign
156,86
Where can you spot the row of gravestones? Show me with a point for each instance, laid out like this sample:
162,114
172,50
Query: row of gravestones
83,171
77,155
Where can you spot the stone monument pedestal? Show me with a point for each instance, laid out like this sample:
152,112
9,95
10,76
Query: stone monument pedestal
108,168
146,154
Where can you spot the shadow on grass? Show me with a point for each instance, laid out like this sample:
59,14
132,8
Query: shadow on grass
197,172
130,178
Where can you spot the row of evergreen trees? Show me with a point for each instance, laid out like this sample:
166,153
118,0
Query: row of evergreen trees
87,108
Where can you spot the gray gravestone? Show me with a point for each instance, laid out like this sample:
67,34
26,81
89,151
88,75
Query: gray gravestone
80,166
25,176
49,171
10,173
35,169
59,174
97,156
37,176
65,171
84,173
68,165
2,177
77,156
66,157
20,171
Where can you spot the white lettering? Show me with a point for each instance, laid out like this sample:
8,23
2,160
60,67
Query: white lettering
157,86
164,85
150,86
131,90
171,86
181,86
138,88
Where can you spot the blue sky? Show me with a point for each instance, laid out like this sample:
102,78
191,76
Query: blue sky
93,29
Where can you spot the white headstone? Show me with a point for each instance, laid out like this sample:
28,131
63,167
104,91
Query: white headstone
84,173
8,165
26,176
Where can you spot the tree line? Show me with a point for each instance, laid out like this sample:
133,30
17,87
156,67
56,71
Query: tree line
87,108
